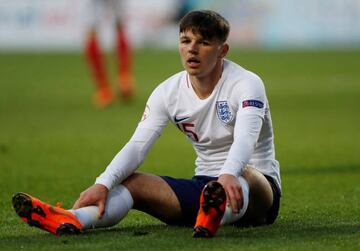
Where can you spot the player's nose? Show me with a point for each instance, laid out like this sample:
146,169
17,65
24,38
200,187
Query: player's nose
193,48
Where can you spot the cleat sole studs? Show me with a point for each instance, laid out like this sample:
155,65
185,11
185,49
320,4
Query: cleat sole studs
67,229
22,205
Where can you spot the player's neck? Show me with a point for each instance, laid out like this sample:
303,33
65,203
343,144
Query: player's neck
204,86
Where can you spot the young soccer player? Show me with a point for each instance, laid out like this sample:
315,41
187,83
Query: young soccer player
104,94
222,108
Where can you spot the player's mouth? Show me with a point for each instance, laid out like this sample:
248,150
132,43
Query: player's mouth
193,62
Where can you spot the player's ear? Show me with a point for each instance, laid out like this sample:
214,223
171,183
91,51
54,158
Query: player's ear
224,50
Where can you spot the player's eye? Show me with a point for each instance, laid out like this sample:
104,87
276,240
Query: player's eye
185,41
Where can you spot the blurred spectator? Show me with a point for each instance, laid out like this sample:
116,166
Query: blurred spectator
104,94
184,7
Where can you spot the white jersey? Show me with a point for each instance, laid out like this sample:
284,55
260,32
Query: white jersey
217,126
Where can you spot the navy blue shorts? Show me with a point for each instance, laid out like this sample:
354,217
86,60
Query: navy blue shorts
188,192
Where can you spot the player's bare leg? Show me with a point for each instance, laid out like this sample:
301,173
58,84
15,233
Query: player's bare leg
144,192
260,199
152,195
148,193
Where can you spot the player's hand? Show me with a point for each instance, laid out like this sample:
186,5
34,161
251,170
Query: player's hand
93,196
233,190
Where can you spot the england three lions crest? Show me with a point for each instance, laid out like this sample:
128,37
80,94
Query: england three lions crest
223,111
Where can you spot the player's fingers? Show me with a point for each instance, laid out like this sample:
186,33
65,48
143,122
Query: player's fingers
238,197
229,202
233,201
241,198
76,204
227,199
101,206
82,201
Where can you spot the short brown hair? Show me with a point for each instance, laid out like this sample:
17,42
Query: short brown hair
209,24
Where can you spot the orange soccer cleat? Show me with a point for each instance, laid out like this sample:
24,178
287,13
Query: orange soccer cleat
126,86
103,97
212,208
36,213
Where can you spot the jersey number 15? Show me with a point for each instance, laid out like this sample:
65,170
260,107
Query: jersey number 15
187,128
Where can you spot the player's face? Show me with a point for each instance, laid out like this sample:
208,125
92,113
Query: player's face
200,56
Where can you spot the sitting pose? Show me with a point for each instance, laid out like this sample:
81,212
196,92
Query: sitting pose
223,109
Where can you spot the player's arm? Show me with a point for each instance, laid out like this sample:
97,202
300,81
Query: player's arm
122,166
249,120
130,156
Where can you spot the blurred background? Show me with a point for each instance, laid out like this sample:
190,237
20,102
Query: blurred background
54,141
276,24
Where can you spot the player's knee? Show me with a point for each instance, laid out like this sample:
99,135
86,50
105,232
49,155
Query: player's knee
261,196
140,186
133,184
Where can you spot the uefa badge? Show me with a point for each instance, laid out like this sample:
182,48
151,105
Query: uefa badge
146,113
223,111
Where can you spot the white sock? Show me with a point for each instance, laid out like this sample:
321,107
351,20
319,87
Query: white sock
229,216
118,204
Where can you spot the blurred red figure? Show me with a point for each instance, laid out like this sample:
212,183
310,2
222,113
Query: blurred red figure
104,94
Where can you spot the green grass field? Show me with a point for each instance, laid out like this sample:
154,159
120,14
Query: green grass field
53,143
